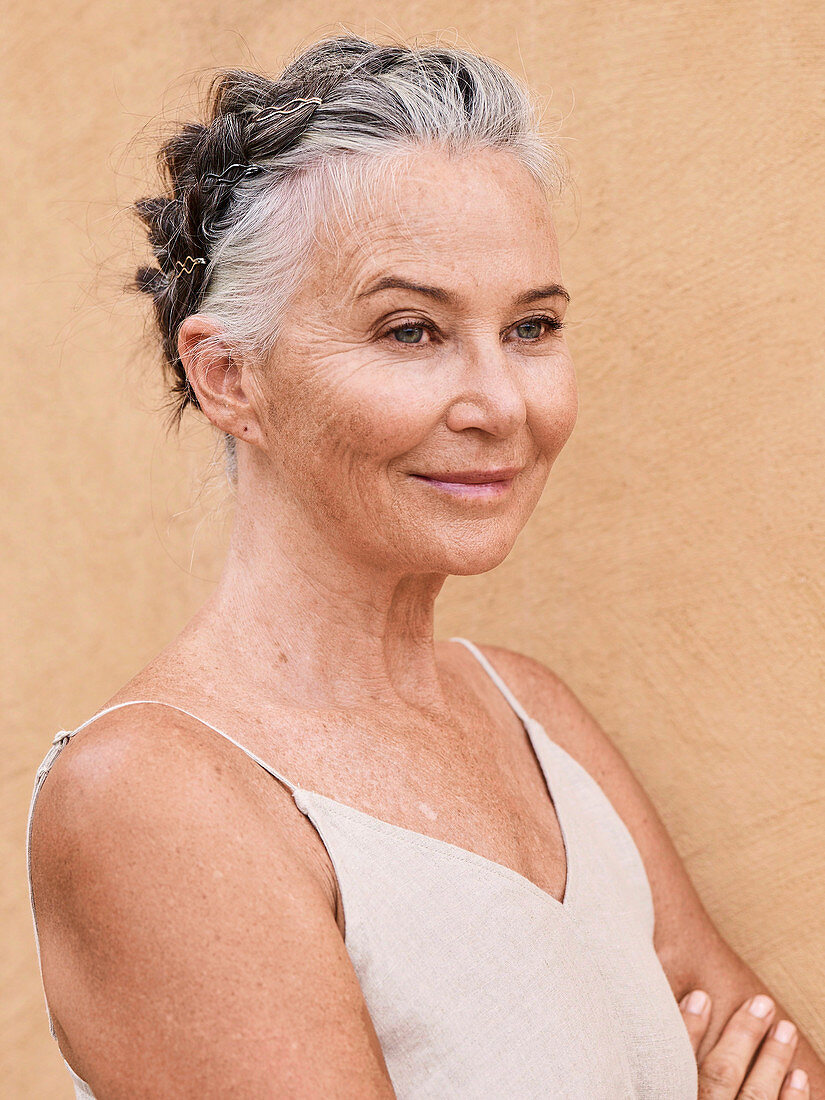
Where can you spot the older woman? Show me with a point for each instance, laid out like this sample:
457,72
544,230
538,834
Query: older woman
309,850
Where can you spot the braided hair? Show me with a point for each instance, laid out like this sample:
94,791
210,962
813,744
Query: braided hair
246,189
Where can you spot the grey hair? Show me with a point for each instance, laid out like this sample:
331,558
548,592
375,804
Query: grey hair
340,117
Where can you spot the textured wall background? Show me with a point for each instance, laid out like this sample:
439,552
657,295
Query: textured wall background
673,572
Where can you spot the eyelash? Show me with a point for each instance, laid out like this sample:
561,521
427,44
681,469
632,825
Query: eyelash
414,322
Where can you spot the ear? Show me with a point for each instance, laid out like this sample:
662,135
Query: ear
224,384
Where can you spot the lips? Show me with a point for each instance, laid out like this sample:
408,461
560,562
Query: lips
473,477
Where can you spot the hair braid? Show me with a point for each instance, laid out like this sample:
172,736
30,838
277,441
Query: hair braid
234,228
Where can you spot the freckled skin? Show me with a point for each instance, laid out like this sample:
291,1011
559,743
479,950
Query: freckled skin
317,650
337,552
353,415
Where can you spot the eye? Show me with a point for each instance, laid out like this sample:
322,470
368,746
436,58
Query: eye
409,334
531,329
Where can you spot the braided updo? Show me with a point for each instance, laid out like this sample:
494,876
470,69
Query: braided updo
247,189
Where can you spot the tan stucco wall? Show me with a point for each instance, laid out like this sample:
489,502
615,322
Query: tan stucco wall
673,572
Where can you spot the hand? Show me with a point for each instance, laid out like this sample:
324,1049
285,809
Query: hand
723,1072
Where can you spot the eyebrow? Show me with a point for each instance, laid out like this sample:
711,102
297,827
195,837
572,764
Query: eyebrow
552,290
394,282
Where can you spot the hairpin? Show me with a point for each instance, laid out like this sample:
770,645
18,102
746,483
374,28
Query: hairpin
182,267
187,266
289,106
244,170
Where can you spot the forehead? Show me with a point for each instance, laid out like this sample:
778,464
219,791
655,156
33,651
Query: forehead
477,216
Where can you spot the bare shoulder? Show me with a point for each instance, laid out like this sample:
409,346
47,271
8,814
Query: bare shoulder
135,774
188,947
683,928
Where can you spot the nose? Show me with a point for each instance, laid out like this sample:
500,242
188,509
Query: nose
488,396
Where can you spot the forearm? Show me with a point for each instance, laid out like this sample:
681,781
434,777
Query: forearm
731,981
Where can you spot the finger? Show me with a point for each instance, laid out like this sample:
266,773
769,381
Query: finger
724,1067
695,1008
773,1060
796,1086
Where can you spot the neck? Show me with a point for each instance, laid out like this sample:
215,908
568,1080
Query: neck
300,618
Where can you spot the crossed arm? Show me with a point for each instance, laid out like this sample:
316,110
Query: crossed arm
150,1007
691,950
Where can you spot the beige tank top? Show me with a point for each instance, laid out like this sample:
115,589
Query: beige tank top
481,985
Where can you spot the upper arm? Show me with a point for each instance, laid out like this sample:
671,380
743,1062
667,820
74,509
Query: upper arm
187,949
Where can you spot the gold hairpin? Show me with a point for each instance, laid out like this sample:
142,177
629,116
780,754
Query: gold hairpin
289,106
182,267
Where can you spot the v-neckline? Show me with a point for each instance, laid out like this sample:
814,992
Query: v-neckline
490,865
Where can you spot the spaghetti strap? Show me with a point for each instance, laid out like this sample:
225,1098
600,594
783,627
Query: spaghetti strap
64,735
498,681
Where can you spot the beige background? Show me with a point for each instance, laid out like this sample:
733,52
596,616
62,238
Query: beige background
673,572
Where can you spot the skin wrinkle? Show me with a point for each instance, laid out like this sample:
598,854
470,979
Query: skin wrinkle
338,418
337,556
344,347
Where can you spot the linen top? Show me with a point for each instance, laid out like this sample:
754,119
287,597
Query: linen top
481,985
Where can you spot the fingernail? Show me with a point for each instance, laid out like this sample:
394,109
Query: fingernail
696,1002
799,1079
760,1006
784,1032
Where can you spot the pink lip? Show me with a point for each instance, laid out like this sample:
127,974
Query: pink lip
473,477
473,484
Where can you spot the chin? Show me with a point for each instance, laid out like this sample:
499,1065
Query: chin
469,558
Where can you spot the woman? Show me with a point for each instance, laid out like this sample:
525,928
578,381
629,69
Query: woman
309,850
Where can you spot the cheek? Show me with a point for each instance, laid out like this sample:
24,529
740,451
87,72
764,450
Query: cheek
341,403
348,440
557,413
569,411
376,414
380,430
345,452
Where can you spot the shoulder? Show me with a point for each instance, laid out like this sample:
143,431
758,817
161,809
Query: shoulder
681,922
147,799
149,761
163,861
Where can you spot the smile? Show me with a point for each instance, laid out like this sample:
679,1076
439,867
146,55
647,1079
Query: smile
473,485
